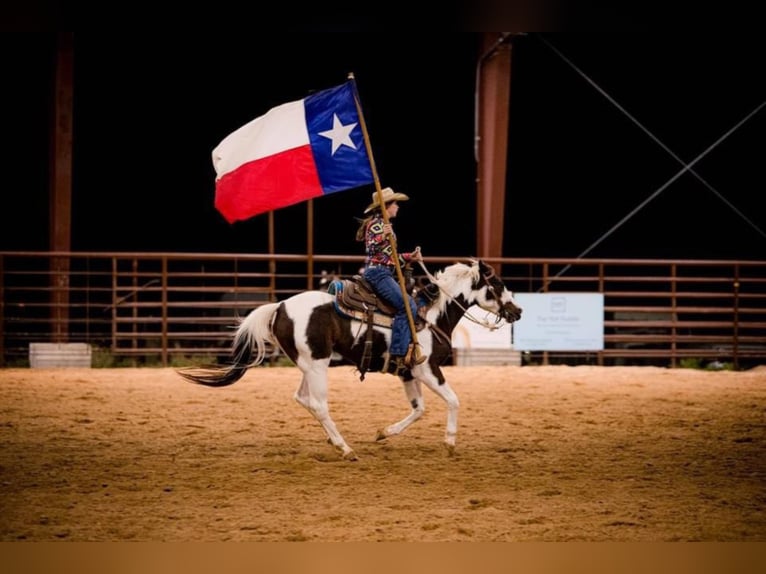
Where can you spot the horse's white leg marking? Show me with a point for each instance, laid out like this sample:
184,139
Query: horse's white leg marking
302,394
312,394
414,393
453,404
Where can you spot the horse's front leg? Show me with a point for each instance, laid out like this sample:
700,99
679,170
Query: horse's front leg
453,405
414,395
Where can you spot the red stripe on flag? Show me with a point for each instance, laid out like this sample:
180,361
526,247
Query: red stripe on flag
269,183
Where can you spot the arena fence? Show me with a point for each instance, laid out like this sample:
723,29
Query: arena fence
165,309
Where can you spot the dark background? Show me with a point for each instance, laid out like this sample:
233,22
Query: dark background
150,107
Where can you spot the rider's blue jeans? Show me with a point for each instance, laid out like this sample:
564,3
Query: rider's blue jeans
387,287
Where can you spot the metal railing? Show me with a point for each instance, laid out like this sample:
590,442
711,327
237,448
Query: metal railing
154,308
663,311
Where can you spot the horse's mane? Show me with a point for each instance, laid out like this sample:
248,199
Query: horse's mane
456,279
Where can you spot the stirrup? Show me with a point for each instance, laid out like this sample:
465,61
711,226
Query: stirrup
414,362
412,359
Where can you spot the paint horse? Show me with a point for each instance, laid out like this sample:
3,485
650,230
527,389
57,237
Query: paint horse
314,328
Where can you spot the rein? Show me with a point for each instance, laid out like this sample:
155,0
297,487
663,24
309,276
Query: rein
483,322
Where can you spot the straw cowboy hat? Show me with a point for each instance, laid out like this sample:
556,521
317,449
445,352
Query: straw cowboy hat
388,196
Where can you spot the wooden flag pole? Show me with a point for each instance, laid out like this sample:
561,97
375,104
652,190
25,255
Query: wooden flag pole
310,244
392,239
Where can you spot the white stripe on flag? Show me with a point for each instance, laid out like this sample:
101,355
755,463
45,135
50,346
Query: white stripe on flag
280,129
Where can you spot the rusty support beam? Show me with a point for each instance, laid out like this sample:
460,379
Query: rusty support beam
61,184
492,109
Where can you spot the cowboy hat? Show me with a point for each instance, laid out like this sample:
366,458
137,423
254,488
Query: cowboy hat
389,195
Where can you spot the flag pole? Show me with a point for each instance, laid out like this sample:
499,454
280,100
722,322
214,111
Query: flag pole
392,239
310,244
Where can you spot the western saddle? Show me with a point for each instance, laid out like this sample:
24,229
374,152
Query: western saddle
356,299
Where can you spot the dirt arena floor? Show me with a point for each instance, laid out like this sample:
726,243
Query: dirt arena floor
552,453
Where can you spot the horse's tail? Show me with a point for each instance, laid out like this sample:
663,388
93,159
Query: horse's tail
247,350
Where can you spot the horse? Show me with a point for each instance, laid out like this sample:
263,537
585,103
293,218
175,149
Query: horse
313,328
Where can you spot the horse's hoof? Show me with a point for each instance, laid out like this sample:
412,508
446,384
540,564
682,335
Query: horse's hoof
450,448
350,455
380,436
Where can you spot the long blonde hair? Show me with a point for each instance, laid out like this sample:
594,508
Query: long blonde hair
361,231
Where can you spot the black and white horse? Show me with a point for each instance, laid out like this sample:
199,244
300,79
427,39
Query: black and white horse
311,331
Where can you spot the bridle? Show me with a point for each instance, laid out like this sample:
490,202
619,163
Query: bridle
490,287
486,277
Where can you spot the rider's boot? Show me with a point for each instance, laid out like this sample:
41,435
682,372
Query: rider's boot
413,357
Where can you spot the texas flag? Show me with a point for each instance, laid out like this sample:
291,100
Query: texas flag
294,152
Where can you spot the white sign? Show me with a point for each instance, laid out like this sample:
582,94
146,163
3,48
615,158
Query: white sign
471,335
559,322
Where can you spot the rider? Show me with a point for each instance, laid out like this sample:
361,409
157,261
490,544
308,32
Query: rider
380,271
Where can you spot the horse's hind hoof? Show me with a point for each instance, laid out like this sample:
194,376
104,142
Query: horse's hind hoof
350,455
380,436
450,448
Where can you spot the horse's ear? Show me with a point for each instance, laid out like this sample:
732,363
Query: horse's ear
486,269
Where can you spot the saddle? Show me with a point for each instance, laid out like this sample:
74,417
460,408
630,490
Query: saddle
356,299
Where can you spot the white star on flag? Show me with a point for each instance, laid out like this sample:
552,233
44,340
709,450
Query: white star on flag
339,134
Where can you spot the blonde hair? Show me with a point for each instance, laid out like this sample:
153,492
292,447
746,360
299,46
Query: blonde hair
361,231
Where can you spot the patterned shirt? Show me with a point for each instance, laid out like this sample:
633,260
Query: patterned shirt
378,246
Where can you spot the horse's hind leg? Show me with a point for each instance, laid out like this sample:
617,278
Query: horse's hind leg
312,395
415,397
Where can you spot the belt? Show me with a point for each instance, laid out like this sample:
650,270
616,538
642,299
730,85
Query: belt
381,265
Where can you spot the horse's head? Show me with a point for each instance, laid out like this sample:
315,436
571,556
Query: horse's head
493,295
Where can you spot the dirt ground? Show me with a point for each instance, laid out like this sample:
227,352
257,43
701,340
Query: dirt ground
544,453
